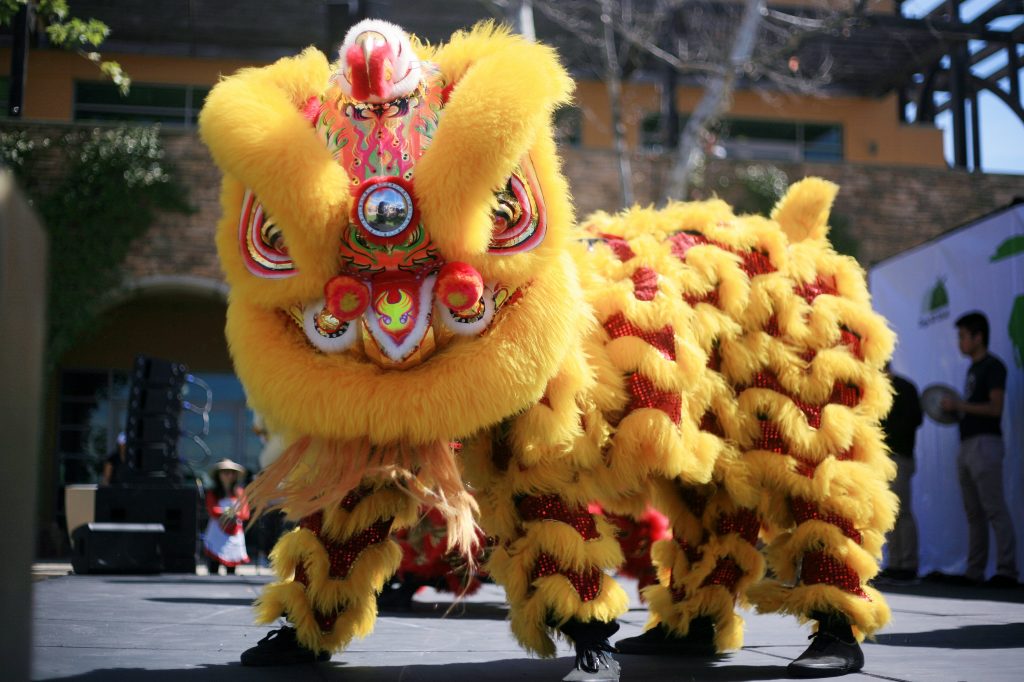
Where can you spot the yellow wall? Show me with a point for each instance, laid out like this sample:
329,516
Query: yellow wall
49,90
872,132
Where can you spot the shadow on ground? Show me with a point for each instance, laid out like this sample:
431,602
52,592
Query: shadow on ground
506,670
989,636
943,590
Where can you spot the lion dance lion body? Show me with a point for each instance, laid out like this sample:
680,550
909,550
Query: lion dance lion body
413,307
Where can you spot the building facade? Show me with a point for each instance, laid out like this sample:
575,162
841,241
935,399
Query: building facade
897,190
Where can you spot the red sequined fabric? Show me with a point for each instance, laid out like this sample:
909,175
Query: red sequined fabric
324,620
693,555
645,284
820,568
821,285
806,467
353,498
744,522
587,584
715,358
645,394
753,262
343,554
725,573
771,327
842,393
756,263
553,508
710,297
709,422
663,340
694,500
313,522
619,246
681,242
850,338
771,438
845,394
805,510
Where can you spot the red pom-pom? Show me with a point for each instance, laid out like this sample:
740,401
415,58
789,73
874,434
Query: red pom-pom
459,286
346,298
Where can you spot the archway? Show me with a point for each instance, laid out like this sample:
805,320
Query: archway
174,318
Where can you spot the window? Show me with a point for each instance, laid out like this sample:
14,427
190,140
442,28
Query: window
93,408
5,93
569,126
781,140
769,140
167,104
652,134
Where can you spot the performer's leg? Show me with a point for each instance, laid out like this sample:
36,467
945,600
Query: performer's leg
987,468
977,525
703,570
837,510
550,553
902,541
331,568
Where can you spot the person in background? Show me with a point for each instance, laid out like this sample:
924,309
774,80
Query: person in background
900,427
224,539
980,462
116,463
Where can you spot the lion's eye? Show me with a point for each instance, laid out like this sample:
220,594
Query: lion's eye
272,236
262,242
519,218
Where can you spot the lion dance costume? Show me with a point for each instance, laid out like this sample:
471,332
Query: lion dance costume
413,307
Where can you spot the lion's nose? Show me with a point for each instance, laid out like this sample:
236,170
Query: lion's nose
459,286
346,298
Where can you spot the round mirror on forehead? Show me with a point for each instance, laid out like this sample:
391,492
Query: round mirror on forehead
385,209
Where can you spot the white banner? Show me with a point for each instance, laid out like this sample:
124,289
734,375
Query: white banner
922,292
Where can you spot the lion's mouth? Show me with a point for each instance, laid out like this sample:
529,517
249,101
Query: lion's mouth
403,326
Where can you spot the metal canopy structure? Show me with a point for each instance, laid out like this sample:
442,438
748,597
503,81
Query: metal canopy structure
963,59
936,63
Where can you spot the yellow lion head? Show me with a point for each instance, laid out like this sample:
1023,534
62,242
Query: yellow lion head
394,234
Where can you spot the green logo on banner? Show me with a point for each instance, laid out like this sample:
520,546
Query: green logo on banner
935,305
1016,329
1010,247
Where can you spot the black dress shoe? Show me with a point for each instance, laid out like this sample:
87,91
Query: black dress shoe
1004,582
660,641
593,651
281,647
834,650
397,595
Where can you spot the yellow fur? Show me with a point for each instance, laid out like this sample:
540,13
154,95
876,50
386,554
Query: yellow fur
751,332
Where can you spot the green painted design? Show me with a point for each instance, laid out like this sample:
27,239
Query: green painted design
939,297
1016,330
1011,247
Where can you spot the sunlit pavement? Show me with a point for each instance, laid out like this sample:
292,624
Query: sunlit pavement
182,627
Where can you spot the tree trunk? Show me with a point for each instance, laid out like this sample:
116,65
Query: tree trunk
614,80
717,95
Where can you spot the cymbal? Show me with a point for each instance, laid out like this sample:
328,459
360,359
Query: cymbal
931,403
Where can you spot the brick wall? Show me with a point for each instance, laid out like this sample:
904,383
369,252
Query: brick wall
888,209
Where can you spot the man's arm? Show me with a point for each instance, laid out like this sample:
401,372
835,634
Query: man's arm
993,408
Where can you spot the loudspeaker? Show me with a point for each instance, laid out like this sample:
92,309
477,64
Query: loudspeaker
176,509
152,430
117,548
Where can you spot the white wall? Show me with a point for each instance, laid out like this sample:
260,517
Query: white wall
962,263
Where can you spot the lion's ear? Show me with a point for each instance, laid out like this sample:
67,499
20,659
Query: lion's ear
505,89
803,211
253,124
